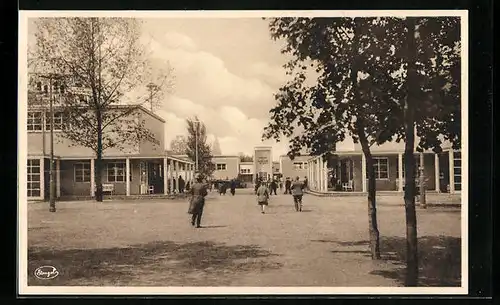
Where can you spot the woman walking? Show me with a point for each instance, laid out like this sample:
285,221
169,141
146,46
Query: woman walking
262,197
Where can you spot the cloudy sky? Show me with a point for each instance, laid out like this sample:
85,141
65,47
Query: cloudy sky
226,72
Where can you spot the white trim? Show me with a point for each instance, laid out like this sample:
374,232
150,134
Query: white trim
28,121
40,180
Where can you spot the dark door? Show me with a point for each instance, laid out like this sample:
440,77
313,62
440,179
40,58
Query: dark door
155,177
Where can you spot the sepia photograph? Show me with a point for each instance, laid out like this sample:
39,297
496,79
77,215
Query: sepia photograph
243,152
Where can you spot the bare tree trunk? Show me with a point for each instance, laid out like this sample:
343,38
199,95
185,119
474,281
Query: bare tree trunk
409,195
98,164
372,198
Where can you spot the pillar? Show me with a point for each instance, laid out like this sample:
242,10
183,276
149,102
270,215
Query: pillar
452,171
42,178
363,172
320,166
400,172
92,177
309,172
171,176
325,176
437,174
127,176
318,177
58,178
177,176
165,176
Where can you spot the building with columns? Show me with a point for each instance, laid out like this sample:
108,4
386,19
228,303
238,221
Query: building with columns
142,169
346,169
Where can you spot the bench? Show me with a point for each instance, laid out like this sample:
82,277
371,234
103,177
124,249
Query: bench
107,188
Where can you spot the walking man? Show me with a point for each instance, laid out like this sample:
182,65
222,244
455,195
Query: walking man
233,187
306,187
297,192
274,187
288,185
198,192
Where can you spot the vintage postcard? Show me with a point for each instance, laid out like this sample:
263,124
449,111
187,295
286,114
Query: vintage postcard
243,152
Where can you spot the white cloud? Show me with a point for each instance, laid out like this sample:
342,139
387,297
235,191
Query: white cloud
233,107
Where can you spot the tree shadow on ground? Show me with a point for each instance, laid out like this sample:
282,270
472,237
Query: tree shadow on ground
439,258
161,263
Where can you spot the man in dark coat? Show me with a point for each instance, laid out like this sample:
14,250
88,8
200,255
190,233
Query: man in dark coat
233,187
288,185
198,192
273,187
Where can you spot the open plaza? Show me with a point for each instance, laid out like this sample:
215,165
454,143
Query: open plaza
151,243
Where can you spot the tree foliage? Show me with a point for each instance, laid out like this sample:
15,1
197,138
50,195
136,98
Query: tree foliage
350,77
179,145
198,139
245,158
99,70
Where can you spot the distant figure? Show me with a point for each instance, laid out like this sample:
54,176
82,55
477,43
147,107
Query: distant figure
188,185
297,192
233,187
306,183
281,186
181,185
257,184
288,185
197,201
222,188
262,197
274,187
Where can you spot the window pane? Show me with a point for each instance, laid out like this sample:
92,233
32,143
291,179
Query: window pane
458,186
458,179
35,185
458,171
35,177
457,155
384,175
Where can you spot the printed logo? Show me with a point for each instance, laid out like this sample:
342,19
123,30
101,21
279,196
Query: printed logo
46,272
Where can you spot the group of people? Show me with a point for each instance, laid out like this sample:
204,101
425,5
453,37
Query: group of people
295,188
222,186
199,190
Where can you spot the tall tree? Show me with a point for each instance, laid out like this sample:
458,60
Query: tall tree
179,145
378,78
198,150
100,62
348,96
430,54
